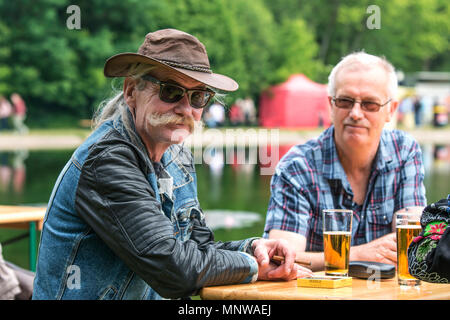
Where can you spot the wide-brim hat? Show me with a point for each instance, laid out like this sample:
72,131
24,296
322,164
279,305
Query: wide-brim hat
172,50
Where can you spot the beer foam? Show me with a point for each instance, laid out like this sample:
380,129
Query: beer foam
345,233
411,226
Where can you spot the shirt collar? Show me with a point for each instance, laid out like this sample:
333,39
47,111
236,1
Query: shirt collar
331,166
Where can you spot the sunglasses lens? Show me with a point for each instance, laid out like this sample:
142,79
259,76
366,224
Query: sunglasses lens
173,93
170,93
199,99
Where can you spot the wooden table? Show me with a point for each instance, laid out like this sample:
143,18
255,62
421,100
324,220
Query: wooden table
24,217
361,289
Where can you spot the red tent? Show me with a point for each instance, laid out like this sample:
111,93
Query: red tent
297,103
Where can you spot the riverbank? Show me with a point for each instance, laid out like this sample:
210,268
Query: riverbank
72,138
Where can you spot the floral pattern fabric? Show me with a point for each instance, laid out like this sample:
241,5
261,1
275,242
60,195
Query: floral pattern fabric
429,253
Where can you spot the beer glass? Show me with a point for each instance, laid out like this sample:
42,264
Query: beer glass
408,227
337,233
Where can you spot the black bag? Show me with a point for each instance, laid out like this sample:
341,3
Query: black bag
371,269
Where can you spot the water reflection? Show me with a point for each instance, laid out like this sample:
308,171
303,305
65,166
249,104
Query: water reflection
228,179
441,156
229,219
248,162
13,171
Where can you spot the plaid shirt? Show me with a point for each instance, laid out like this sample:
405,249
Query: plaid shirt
310,178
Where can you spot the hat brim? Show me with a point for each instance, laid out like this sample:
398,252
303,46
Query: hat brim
118,66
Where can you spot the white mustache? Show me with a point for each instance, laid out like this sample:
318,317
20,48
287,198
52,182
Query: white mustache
159,119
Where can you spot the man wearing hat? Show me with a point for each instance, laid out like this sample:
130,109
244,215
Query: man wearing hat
124,220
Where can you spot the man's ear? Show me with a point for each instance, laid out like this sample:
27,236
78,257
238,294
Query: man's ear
129,92
330,108
392,108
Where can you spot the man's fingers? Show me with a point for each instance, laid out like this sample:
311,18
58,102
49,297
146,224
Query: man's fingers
261,255
389,248
391,256
281,272
386,255
391,242
289,259
303,272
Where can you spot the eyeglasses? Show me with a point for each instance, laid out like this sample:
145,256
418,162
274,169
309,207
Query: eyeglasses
170,93
348,103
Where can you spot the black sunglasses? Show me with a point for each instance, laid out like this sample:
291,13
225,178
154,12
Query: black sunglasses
169,92
348,103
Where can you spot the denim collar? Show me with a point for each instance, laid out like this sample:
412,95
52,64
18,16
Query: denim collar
172,160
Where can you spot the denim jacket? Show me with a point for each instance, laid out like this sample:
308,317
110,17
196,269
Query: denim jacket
121,227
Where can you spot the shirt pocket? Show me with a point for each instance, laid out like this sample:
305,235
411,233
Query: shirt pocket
379,218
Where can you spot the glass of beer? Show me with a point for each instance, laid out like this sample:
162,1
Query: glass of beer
337,234
408,227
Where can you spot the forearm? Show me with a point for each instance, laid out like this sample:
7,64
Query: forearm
358,253
383,249
204,237
238,245
316,259
299,243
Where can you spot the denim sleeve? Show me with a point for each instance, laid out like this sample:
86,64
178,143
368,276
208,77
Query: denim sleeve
253,274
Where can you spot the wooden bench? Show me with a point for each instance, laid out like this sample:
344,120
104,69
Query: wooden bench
24,217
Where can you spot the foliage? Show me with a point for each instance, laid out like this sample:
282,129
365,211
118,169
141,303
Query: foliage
59,71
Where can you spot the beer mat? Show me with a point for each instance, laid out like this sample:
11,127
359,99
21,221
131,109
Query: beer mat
324,282
371,269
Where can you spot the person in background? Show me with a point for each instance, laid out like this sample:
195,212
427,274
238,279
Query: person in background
418,111
355,164
5,112
217,113
236,115
19,113
405,112
16,283
248,108
9,284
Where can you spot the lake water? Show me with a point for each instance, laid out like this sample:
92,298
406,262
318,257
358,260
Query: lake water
234,196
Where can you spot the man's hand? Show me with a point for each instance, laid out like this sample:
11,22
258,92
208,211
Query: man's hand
382,250
264,250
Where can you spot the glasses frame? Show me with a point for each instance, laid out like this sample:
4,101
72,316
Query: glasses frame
189,92
361,103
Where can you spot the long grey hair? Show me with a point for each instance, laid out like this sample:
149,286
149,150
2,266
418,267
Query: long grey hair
113,108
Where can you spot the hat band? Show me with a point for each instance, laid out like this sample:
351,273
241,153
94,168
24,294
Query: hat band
186,66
